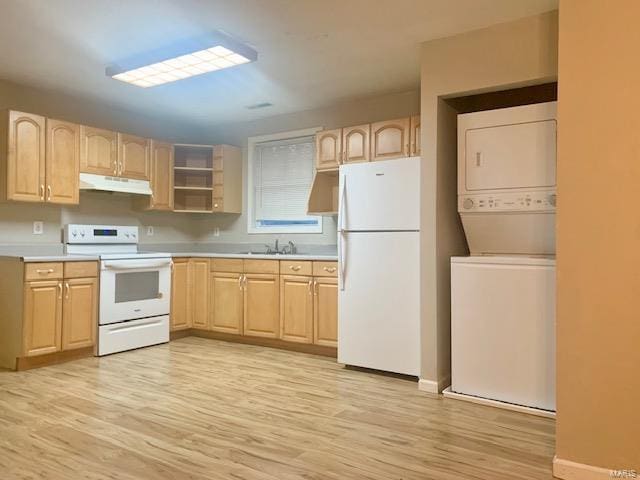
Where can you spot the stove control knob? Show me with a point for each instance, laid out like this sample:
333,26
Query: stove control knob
82,233
74,233
126,235
467,204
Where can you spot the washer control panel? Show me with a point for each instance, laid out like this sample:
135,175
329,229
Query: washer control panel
537,201
100,234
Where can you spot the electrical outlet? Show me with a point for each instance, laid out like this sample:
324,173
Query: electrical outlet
38,228
216,232
150,231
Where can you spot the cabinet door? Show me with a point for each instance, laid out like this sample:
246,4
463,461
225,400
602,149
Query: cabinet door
328,149
390,139
42,317
133,157
161,176
98,151
79,313
325,312
199,292
355,142
296,308
63,162
180,318
226,302
26,157
261,305
415,136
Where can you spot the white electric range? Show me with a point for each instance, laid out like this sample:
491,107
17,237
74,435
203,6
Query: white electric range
135,288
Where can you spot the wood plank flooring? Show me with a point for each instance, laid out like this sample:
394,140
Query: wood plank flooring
205,409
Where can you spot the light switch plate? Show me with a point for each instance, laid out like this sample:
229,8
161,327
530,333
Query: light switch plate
38,228
150,231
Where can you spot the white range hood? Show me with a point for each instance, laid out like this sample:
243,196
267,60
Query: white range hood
90,181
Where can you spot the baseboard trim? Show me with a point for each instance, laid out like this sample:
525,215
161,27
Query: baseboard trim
434,387
27,363
497,404
259,341
568,470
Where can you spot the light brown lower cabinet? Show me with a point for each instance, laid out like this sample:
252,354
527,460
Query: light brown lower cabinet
325,311
180,316
226,302
261,305
199,292
296,309
42,317
47,308
79,313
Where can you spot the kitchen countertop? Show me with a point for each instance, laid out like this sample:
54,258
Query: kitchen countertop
258,256
254,256
53,258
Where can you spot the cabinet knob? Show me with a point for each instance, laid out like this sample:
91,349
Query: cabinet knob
295,268
329,269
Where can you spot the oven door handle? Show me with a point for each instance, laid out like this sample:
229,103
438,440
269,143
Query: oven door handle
135,264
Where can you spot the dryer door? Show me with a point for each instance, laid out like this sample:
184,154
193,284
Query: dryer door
521,155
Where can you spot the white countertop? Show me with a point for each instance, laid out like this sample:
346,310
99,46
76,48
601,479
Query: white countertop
257,256
89,258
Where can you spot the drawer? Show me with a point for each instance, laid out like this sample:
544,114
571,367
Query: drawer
80,269
295,267
42,271
231,265
261,266
325,269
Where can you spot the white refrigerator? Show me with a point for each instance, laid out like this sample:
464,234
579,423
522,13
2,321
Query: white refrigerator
379,265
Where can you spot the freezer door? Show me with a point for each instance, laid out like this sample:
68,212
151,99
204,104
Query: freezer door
380,196
503,332
379,301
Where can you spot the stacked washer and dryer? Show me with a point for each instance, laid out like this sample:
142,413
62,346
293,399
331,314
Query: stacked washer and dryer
503,294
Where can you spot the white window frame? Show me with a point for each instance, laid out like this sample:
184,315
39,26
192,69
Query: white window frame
252,142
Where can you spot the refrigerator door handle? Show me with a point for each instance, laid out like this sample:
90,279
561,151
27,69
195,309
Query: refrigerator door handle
341,211
341,260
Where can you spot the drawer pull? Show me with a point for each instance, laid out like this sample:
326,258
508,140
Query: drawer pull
44,271
295,268
329,269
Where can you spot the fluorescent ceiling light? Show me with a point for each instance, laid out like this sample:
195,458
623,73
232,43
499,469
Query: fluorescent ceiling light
195,57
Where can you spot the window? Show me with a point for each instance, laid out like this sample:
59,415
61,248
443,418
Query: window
280,174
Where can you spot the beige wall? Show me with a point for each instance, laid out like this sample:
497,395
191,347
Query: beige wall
523,52
599,234
16,218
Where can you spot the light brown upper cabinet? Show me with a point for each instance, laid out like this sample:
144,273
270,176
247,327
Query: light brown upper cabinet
390,139
24,167
161,178
62,162
133,157
355,144
328,149
98,151
40,159
415,136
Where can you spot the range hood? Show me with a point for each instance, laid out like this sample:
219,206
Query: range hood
90,181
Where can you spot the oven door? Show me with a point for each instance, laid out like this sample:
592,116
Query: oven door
134,288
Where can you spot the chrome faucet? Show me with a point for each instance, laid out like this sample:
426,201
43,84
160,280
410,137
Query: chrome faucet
289,249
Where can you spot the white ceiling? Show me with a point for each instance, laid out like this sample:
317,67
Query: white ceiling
312,53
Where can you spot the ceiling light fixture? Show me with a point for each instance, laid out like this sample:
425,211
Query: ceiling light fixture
193,57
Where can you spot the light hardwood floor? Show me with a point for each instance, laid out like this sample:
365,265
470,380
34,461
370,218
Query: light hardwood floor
205,409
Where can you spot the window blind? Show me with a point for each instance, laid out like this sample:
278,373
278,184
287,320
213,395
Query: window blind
283,172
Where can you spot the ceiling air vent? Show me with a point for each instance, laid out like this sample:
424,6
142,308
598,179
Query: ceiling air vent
255,106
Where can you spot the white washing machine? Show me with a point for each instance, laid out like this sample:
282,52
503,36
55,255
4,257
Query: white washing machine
503,295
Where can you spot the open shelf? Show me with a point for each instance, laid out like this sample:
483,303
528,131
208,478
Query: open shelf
209,189
192,200
193,157
193,169
323,197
